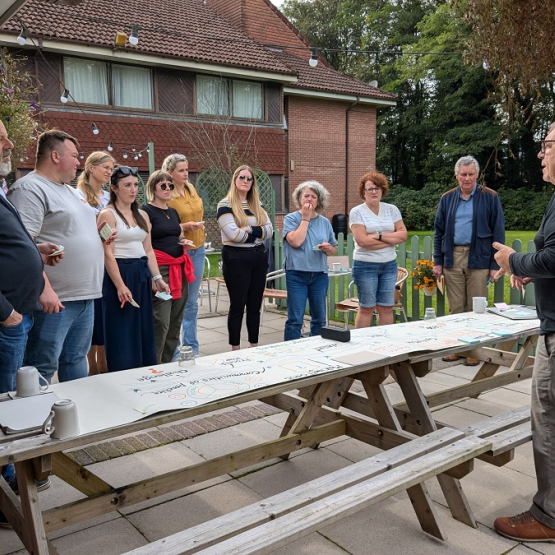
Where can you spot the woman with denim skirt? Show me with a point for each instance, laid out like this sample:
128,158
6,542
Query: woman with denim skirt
308,240
377,227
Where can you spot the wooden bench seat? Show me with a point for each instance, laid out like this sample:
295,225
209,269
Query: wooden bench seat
287,516
505,431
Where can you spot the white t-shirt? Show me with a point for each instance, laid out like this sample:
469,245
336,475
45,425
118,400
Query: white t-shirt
55,213
103,199
383,222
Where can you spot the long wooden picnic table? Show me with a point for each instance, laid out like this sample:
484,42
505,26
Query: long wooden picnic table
315,403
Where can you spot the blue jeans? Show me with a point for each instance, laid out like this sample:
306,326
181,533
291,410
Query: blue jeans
189,325
61,341
375,282
13,340
303,286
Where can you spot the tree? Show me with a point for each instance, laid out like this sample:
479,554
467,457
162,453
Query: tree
18,111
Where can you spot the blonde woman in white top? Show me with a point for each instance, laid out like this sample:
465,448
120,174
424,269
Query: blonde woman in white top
131,275
244,225
98,170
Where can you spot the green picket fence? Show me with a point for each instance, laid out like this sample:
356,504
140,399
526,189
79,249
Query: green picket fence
414,301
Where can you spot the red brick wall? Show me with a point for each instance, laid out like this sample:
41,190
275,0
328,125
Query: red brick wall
269,144
317,146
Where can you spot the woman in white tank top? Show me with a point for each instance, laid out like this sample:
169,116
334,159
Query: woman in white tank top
131,275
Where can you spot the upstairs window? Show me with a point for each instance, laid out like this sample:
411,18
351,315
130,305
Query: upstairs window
230,97
96,82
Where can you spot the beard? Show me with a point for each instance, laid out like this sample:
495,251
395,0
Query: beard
5,167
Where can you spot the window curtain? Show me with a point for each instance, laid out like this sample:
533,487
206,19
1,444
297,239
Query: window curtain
132,87
86,80
247,100
212,95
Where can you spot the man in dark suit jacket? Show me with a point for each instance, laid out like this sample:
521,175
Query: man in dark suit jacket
21,283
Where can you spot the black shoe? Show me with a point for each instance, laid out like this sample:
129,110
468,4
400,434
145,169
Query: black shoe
4,523
41,485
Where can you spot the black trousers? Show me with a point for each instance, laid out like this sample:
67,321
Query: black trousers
244,270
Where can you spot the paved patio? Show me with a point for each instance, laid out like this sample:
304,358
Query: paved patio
388,527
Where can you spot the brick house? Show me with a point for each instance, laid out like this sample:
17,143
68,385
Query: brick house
203,72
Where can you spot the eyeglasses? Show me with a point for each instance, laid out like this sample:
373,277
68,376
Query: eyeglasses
245,178
542,145
372,189
165,186
105,167
125,171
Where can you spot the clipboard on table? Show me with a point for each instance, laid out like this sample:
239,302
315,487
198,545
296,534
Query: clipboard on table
26,414
515,312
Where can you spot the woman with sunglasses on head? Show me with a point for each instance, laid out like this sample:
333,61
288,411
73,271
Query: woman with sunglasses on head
244,225
188,204
97,172
131,275
174,263
377,227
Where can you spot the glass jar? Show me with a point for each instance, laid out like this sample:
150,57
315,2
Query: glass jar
186,356
430,314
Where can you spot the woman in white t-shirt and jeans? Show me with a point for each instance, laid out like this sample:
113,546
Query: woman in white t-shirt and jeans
377,227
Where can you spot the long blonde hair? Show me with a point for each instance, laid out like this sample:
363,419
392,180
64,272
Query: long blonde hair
253,201
83,184
168,166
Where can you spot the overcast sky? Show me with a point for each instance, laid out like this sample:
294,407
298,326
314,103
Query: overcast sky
277,3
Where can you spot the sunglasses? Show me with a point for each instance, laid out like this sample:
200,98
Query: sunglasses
245,178
125,171
165,186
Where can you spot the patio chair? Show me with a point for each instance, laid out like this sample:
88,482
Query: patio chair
272,293
350,304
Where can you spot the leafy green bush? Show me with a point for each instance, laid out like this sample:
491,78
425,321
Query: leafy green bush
523,208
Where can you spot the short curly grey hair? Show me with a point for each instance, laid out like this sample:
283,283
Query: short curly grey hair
321,192
466,161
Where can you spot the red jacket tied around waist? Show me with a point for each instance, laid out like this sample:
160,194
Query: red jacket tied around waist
176,277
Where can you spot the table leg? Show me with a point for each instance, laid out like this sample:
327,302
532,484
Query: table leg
34,536
416,402
385,415
315,399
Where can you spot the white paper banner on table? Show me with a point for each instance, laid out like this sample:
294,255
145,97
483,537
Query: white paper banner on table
118,398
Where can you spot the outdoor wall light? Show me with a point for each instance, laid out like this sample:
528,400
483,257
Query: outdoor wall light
134,35
64,97
313,62
22,38
121,39
94,128
110,146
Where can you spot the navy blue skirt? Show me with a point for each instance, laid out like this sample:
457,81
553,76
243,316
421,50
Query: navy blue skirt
129,331
98,329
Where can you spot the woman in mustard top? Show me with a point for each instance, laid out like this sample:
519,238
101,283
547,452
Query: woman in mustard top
188,204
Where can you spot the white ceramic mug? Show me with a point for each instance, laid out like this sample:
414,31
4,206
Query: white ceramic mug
336,266
28,380
62,422
479,304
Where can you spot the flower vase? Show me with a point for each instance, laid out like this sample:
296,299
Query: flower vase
430,292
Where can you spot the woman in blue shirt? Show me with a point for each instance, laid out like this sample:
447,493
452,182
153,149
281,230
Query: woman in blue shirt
308,241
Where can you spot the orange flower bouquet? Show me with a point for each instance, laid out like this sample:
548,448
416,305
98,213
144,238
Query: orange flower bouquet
423,276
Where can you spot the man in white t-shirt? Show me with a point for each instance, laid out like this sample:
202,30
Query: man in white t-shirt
53,212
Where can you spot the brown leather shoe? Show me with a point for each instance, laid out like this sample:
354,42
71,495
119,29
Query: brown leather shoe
471,362
450,358
524,527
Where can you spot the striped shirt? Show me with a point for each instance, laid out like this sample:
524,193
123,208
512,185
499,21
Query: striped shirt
232,235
